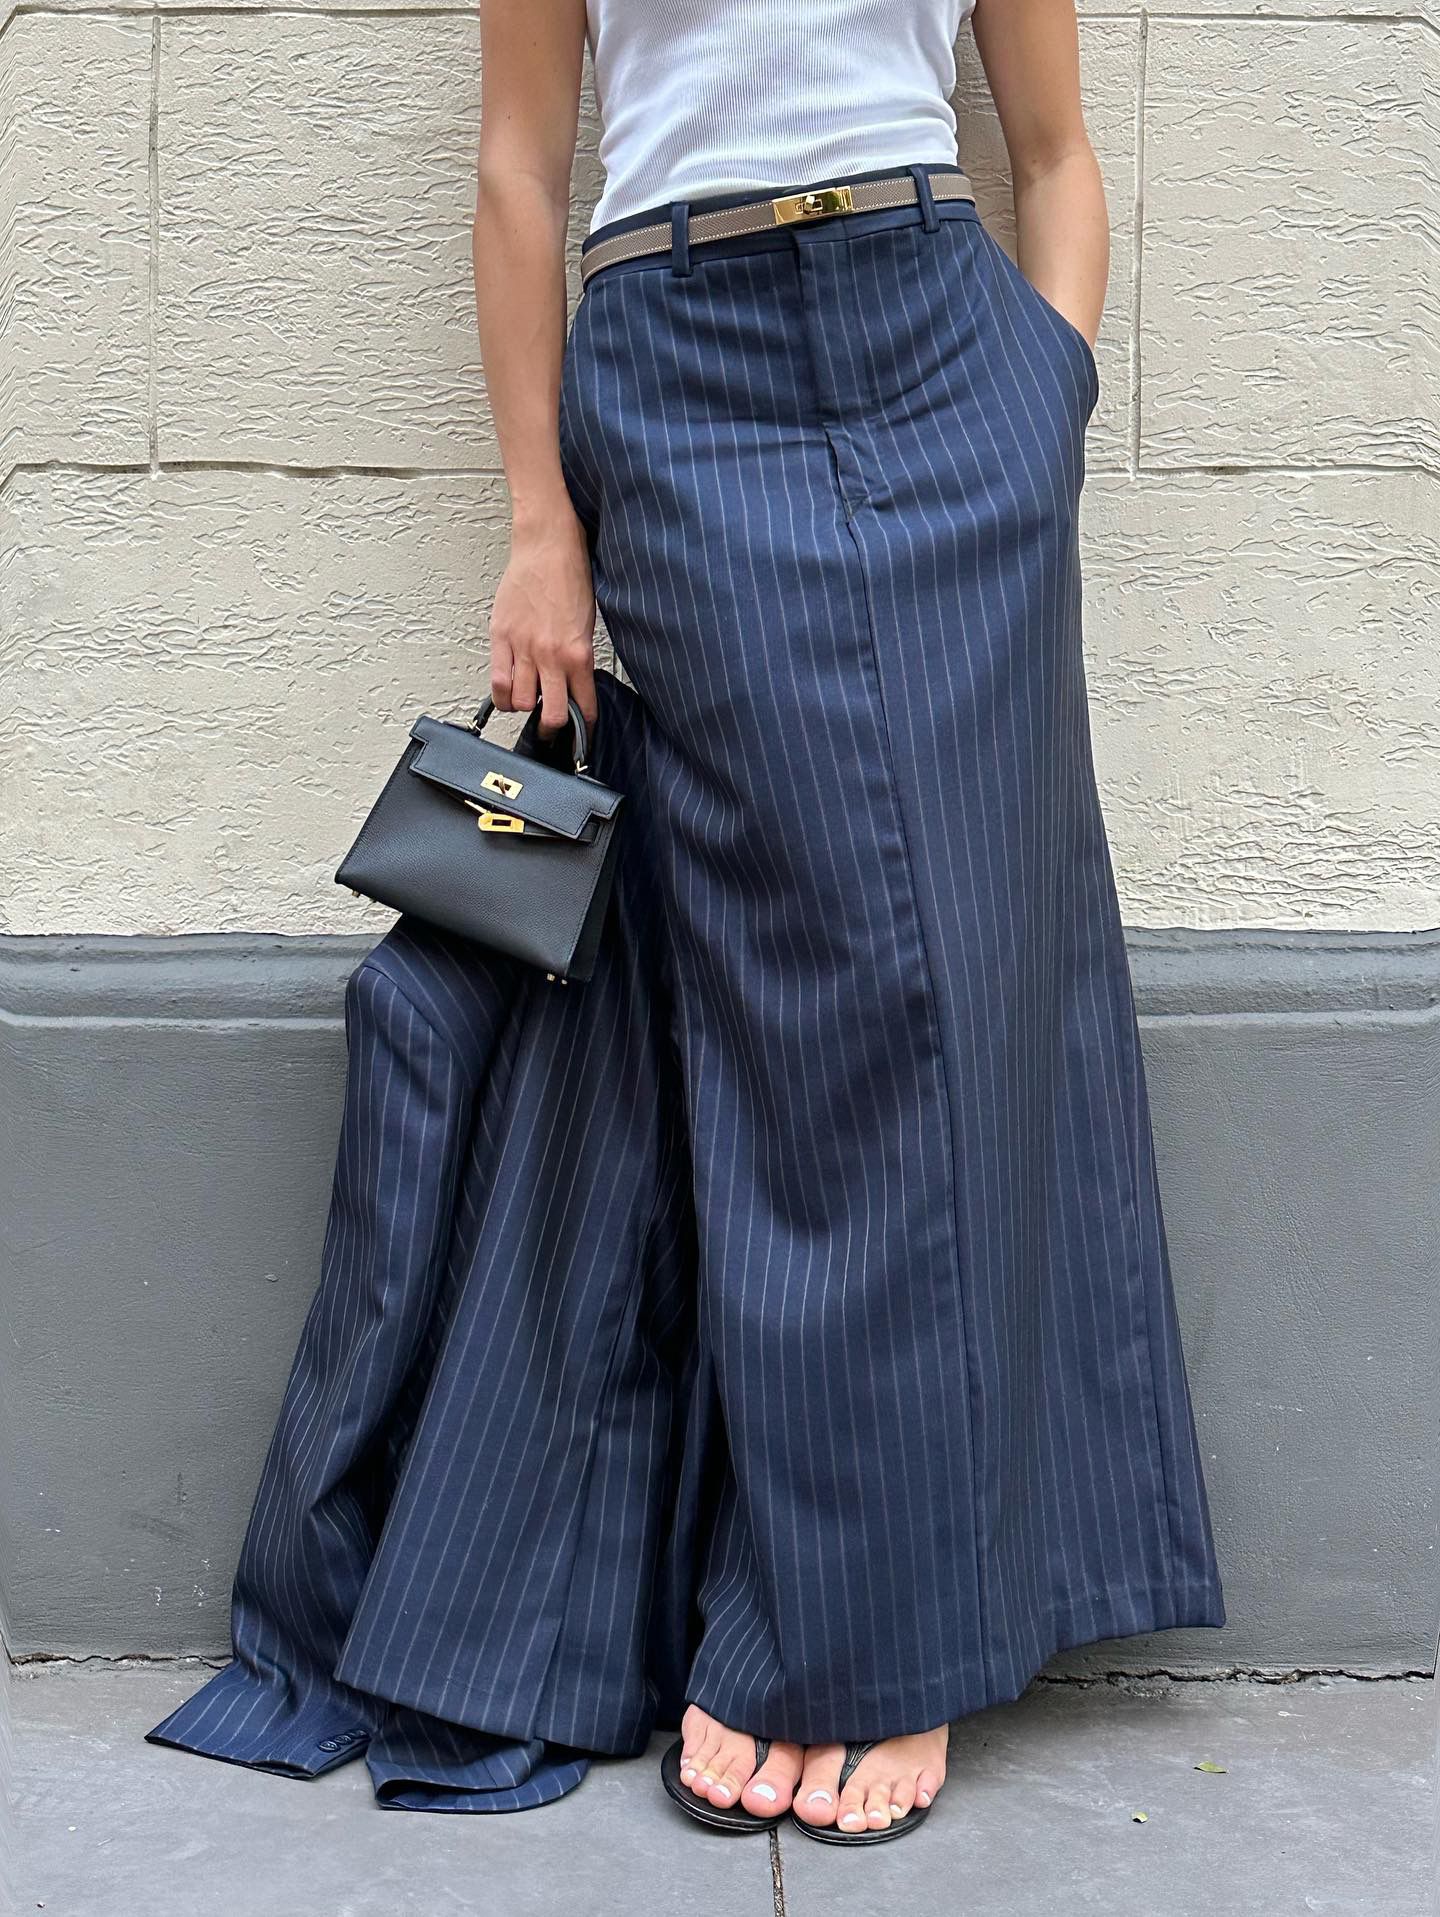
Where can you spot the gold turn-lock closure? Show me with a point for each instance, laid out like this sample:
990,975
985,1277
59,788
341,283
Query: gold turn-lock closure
507,788
813,206
489,821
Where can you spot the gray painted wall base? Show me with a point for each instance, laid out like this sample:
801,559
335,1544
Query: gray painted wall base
168,1116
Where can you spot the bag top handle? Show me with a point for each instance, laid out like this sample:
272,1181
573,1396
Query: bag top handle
577,726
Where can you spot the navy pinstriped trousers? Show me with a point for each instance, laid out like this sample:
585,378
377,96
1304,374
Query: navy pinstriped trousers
839,1383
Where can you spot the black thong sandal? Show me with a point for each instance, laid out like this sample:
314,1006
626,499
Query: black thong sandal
832,1834
731,1817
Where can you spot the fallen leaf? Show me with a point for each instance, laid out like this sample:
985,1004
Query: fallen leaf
1208,1766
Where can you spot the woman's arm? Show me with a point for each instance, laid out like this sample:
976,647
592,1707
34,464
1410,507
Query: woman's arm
542,629
1031,55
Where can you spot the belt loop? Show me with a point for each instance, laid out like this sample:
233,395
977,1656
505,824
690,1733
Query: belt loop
680,239
926,198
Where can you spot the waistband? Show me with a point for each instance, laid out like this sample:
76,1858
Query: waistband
665,234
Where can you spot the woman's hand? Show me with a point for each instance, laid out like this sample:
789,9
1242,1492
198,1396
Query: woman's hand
542,629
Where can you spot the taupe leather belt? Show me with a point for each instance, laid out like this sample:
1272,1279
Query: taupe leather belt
755,216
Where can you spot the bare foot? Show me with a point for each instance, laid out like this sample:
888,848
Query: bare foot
718,1764
887,1782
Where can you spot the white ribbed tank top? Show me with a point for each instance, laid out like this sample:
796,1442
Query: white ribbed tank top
730,96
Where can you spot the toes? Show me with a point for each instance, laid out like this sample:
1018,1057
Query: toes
902,1796
697,1727
880,1791
707,1760
700,1765
878,1799
851,1814
697,1730
718,1764
819,1786
772,1788
730,1772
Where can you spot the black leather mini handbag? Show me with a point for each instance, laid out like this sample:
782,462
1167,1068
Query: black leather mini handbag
506,847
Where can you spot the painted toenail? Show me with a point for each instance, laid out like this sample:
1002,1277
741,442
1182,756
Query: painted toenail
897,1810
821,1797
924,1797
852,1817
767,1791
687,1773
722,1790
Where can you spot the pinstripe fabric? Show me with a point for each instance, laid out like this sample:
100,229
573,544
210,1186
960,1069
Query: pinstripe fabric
454,1559
831,475
783,1321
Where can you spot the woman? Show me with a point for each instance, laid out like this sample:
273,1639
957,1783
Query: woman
774,1336
815,447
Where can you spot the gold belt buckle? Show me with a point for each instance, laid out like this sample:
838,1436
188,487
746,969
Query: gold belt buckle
813,206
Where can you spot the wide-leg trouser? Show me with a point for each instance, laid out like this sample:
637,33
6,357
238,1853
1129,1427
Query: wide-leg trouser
832,475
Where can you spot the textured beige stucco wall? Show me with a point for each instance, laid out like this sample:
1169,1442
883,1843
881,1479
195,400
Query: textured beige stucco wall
252,512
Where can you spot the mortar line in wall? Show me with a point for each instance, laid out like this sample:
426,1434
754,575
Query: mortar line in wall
231,9
1137,242
180,1021
1233,468
1251,18
154,277
431,8
1372,1018
1228,469
1292,1676
234,9
123,468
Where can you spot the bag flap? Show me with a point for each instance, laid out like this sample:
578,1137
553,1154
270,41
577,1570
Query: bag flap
458,758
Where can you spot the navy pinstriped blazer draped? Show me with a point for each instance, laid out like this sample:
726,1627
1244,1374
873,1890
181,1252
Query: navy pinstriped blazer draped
470,1514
